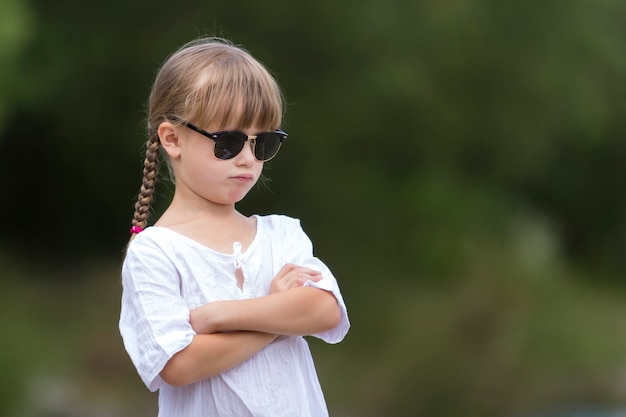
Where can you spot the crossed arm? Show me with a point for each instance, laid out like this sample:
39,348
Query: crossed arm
229,332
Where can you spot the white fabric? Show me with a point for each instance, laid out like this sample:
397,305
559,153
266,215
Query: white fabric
165,275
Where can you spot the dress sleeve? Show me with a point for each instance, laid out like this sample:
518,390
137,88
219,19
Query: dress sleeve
154,318
299,250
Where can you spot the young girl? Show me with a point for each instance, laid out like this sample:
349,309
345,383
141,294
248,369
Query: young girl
214,303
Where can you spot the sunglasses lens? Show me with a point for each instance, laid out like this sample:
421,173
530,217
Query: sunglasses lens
229,144
267,145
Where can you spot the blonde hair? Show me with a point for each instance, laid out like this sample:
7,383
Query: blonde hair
208,82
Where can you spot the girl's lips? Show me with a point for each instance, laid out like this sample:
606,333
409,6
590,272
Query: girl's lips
244,177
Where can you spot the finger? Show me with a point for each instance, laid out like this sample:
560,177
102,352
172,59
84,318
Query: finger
291,275
285,270
304,275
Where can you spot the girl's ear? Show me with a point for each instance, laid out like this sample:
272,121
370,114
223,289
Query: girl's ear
169,139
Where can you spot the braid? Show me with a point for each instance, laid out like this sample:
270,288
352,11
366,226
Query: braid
144,199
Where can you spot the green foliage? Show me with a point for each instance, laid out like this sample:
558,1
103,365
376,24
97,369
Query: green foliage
16,27
523,99
515,334
459,165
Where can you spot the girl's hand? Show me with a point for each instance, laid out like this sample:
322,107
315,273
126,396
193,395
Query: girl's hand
204,319
227,315
292,276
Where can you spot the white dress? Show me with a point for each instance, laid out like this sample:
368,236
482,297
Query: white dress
165,275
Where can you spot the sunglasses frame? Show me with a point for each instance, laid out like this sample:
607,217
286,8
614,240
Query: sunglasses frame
215,136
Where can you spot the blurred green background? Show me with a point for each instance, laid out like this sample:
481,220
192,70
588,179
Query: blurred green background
458,164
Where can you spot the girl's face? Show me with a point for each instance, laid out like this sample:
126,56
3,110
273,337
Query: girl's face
202,177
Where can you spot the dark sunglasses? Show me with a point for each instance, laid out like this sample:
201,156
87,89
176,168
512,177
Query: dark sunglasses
228,144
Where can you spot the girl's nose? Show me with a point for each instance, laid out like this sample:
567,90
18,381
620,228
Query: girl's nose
246,156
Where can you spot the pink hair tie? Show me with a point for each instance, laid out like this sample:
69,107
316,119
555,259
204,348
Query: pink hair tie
135,229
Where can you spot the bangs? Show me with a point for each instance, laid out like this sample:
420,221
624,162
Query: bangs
236,91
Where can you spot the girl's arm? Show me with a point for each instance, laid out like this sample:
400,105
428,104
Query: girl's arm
211,354
251,324
297,312
290,309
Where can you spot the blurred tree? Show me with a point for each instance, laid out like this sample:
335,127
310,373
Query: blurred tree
457,162
16,27
510,103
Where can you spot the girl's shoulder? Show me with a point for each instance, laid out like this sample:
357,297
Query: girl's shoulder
153,233
155,238
278,223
